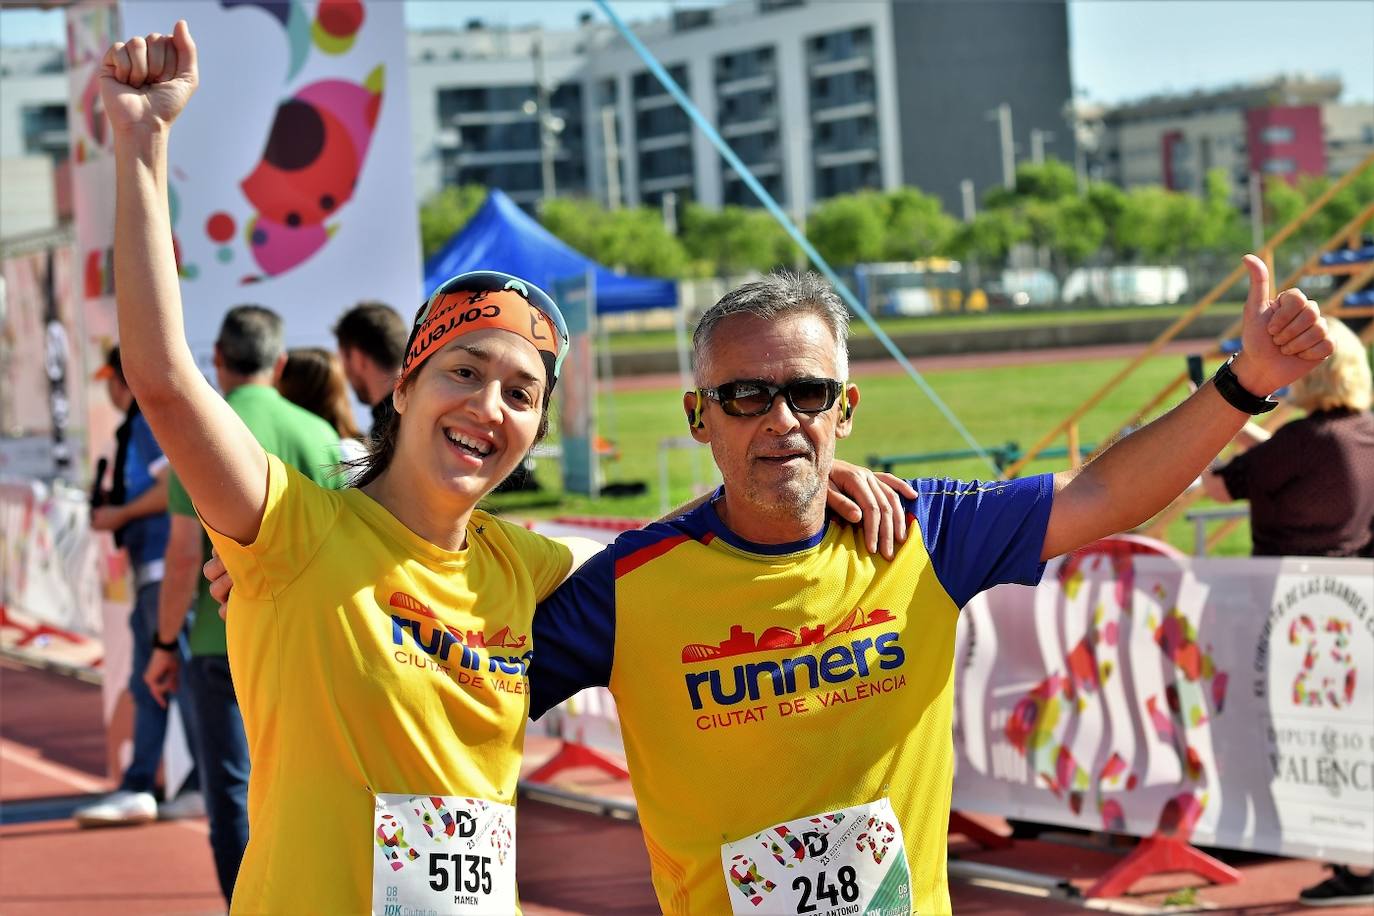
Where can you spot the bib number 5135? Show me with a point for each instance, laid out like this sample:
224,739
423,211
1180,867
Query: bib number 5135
467,873
847,889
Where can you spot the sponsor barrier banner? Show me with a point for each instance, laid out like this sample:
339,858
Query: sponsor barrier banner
290,183
49,557
1233,698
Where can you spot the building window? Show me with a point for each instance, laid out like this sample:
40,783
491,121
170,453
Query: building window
1281,166
1277,133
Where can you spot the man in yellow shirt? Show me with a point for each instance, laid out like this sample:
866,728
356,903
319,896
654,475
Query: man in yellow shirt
785,695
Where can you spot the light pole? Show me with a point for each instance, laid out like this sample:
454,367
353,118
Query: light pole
670,212
612,157
1002,115
1038,138
549,125
1086,125
970,206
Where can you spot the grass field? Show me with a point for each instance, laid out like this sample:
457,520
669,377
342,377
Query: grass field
634,341
999,405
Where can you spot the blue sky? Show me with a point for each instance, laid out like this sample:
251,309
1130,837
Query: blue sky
1120,49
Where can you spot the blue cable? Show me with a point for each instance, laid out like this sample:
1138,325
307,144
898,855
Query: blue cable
783,220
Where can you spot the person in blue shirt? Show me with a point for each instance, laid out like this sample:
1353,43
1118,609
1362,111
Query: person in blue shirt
135,511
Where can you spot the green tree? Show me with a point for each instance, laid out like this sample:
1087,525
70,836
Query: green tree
916,226
734,239
634,239
577,221
444,213
1346,203
1226,232
1050,180
1282,203
1109,203
849,229
990,236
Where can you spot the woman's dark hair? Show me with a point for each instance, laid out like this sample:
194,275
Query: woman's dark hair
313,378
381,447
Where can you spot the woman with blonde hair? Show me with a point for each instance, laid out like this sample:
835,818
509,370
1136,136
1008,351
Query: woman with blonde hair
1311,483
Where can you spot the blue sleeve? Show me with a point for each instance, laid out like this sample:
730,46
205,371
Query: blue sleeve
143,444
983,534
574,635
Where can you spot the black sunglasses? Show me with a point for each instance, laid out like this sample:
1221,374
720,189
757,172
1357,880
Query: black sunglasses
755,398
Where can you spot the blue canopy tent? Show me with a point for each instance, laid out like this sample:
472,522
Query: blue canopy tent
501,236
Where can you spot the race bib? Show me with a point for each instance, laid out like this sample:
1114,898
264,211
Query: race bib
841,863
442,854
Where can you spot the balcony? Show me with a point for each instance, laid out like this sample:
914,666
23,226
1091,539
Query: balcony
666,183
846,157
862,61
821,111
471,158
746,84
664,141
476,118
768,124
651,102
760,170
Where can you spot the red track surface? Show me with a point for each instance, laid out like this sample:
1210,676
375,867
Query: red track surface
51,747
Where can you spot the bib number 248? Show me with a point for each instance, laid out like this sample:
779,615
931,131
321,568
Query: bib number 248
843,889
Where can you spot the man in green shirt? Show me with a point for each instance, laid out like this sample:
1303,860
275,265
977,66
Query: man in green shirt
249,355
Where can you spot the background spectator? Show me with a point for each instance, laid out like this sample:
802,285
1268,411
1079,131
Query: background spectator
135,511
313,378
372,342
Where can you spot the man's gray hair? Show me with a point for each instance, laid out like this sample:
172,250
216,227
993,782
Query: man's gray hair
778,295
250,339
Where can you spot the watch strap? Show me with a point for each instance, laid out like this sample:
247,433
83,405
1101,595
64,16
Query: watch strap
1235,394
173,646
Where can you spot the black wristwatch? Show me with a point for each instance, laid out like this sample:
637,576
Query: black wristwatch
173,646
1230,388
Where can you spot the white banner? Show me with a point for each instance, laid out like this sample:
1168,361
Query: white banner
290,179
1230,697
49,557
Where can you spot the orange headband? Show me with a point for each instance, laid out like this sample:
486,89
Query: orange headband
451,315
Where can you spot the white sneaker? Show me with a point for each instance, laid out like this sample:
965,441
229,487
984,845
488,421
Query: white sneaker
184,806
118,809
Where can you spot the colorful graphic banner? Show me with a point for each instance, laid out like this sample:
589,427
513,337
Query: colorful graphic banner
1232,699
290,182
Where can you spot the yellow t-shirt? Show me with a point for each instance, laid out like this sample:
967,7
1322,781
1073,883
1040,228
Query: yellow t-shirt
787,708
352,682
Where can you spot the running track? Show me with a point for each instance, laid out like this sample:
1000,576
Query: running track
51,755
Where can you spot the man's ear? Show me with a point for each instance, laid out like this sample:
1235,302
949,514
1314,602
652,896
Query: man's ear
694,405
278,368
850,401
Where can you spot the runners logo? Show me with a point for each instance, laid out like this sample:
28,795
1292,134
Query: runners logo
415,625
862,657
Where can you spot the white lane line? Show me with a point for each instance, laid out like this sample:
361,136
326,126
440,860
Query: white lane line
28,757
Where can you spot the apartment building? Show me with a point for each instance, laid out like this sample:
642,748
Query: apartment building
1289,126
